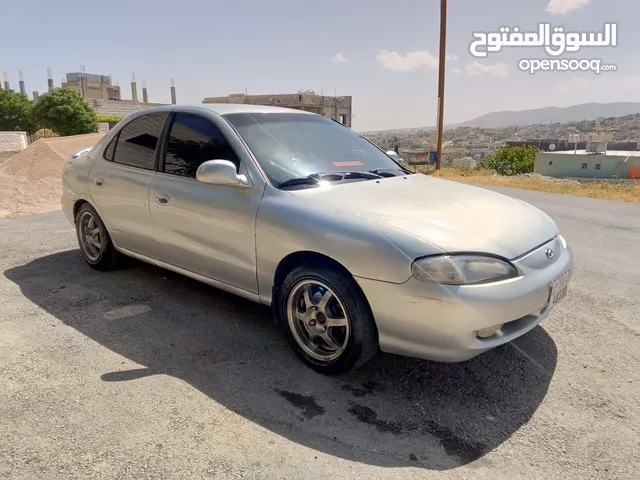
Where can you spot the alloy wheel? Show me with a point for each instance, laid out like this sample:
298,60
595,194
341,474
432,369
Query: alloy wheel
90,236
318,320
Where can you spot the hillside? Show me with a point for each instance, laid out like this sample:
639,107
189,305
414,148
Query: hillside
575,113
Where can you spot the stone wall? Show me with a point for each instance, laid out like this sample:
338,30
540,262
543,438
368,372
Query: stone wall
13,141
120,108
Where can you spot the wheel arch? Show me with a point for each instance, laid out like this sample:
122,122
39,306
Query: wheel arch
77,204
291,261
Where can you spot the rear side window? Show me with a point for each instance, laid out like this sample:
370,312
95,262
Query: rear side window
137,141
192,141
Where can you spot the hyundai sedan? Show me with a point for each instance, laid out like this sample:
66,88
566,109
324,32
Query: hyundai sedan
354,253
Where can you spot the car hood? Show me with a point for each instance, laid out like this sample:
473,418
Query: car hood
451,215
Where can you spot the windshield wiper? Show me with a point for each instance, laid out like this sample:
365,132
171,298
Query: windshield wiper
315,178
386,172
308,180
356,174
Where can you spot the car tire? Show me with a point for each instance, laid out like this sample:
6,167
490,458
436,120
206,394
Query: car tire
100,254
358,339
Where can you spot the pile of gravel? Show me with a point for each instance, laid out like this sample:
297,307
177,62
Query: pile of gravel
30,180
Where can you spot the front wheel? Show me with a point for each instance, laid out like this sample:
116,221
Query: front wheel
326,319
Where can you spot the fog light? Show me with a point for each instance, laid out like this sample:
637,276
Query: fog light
489,331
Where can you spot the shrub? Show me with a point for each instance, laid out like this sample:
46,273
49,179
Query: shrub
511,160
65,112
108,118
15,112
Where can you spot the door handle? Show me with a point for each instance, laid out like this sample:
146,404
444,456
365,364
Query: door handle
99,183
162,200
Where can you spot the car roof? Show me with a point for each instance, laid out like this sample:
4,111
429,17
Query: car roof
228,108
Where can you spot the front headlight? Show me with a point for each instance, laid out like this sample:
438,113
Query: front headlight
464,269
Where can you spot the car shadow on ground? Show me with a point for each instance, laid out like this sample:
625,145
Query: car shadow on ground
395,412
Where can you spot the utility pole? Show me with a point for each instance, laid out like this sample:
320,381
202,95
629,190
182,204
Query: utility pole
442,62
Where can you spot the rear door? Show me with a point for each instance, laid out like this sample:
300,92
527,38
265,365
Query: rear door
121,179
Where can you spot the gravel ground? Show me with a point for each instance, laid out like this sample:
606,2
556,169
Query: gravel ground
141,374
4,156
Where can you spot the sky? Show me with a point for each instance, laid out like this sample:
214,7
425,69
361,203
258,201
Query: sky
382,53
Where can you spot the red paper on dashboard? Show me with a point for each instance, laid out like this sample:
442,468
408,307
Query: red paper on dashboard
348,164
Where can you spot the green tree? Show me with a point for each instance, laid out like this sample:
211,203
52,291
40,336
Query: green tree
511,160
65,112
15,112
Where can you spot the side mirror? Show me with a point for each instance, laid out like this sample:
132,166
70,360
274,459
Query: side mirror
220,172
393,155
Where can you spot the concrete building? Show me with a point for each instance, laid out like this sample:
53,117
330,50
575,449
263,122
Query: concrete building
609,164
92,86
561,145
336,108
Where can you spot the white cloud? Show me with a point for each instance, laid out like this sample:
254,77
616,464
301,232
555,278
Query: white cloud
562,7
339,58
410,62
457,71
496,69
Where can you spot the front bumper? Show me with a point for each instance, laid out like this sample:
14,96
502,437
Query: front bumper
440,322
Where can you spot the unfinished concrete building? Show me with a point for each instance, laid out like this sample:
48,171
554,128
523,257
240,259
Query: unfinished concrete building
336,108
92,86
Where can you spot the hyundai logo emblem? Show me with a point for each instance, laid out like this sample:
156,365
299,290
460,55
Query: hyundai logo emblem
549,253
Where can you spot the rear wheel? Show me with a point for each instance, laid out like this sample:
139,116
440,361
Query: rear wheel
326,319
94,240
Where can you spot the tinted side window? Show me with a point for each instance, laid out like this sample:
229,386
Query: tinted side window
137,141
192,141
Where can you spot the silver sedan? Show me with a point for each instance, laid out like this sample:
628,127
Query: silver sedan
353,252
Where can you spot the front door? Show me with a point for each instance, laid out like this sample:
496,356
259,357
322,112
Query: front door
120,183
206,229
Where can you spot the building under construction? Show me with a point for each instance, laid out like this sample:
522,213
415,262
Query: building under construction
336,108
92,86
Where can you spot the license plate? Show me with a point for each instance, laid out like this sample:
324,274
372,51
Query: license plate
558,289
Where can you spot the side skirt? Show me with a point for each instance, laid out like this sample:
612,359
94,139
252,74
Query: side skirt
187,273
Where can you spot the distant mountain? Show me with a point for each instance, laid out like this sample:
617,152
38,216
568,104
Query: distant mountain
575,113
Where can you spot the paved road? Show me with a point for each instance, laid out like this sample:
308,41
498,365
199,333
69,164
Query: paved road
141,373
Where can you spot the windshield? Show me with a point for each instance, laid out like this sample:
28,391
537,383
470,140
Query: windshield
295,145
